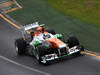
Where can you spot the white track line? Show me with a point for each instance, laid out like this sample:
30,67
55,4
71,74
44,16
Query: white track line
24,66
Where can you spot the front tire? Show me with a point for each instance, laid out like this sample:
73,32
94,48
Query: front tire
20,46
73,41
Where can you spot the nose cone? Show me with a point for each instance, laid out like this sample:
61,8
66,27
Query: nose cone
56,43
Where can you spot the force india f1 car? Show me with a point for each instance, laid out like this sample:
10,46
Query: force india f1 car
54,47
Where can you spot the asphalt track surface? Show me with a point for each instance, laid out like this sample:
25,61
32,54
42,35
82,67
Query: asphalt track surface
12,64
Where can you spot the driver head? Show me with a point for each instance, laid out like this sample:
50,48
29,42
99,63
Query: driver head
39,29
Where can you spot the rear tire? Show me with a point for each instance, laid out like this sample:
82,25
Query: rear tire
21,46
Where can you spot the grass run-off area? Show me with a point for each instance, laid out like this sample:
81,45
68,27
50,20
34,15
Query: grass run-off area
78,17
86,10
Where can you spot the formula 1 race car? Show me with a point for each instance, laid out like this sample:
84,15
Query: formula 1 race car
55,46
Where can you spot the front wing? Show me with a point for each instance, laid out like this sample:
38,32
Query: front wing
54,56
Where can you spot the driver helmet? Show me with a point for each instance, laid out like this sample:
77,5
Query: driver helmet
40,29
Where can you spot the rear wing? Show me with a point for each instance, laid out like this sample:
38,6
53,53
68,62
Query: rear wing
32,26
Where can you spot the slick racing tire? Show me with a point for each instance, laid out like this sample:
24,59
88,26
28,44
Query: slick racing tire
20,45
73,41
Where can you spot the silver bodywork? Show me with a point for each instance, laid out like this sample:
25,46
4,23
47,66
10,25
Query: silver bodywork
27,29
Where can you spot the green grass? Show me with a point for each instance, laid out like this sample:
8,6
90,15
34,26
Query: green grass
85,10
43,12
